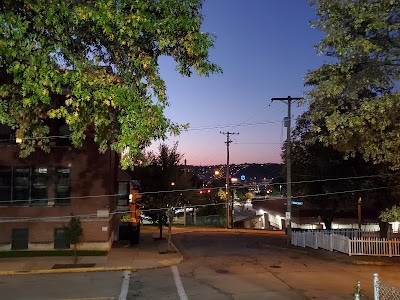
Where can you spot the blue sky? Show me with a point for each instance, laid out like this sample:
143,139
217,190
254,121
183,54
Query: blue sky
265,48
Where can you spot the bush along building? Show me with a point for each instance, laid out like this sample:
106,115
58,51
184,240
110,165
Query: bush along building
39,194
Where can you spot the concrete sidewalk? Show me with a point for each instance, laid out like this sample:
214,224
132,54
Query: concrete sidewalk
149,253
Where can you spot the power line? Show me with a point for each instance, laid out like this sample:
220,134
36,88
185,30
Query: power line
345,192
233,125
198,205
194,189
343,178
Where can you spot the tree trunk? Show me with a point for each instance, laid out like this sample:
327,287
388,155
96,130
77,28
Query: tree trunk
383,229
160,225
328,223
75,255
170,220
169,238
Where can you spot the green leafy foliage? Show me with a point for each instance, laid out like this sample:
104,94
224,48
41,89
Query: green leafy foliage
94,64
314,165
354,102
126,218
390,214
73,231
163,182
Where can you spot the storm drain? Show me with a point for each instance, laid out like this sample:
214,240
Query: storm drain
275,266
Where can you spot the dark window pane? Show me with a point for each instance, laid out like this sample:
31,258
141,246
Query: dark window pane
21,186
63,187
20,239
5,185
63,136
39,186
6,135
60,240
123,193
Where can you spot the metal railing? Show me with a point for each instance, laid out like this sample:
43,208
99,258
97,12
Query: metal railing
381,291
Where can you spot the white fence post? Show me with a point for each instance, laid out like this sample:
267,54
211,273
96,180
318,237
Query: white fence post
350,241
376,286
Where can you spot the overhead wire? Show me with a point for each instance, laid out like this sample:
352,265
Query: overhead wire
194,205
198,189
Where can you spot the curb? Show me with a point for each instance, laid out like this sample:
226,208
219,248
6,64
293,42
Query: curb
370,263
177,251
159,264
284,248
68,270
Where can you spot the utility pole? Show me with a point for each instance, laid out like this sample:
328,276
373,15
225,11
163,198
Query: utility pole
229,212
288,167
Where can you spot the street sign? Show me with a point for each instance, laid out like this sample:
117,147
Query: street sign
297,202
242,177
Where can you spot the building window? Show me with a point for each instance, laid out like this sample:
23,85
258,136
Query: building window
6,135
123,193
60,239
63,187
5,185
20,239
63,136
39,186
21,189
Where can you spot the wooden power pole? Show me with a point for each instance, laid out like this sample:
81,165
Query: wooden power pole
229,209
288,167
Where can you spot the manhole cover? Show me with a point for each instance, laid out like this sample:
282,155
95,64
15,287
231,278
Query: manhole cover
275,266
222,271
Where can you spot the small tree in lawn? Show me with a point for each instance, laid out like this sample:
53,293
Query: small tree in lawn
73,232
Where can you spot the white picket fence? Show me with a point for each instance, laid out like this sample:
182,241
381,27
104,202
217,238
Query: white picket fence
372,246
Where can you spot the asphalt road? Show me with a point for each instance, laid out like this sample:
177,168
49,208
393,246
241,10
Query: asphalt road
97,285
253,266
217,265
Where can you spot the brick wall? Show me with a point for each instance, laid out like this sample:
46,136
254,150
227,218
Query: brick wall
92,174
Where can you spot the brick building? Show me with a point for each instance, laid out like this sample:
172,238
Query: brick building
40,193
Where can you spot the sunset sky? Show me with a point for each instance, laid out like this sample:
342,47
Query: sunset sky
265,48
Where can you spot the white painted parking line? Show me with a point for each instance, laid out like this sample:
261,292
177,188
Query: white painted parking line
95,298
178,283
125,286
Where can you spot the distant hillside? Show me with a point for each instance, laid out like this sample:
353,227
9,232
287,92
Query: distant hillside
261,171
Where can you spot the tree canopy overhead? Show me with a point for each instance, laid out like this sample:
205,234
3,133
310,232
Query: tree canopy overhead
94,64
354,98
